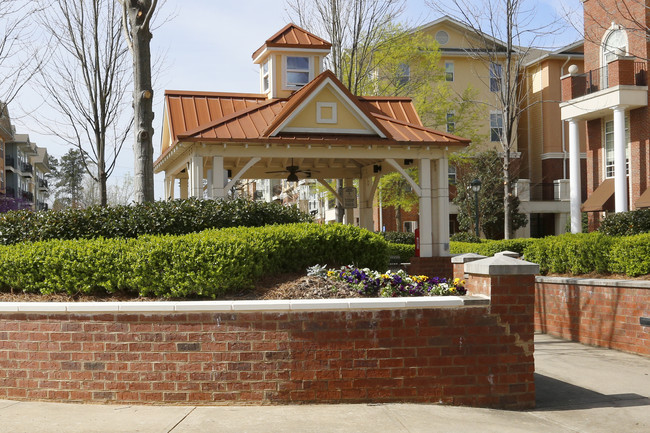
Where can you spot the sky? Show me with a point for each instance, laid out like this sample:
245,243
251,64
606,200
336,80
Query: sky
207,45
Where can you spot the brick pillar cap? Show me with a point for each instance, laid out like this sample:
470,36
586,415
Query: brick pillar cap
467,257
501,265
506,253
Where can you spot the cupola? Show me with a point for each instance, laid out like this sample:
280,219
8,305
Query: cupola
288,60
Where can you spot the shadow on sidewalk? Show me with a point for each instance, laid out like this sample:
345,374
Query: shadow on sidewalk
552,395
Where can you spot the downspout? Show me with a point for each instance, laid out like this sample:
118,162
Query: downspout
563,122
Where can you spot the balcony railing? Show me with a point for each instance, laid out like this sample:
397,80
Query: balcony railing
9,161
597,79
42,183
542,192
27,195
26,168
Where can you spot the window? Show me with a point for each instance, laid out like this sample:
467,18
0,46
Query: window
452,175
451,124
614,45
297,71
403,74
442,37
609,147
410,226
496,126
495,77
449,71
265,77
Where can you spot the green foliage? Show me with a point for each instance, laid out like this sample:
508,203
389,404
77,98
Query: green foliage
488,167
162,217
404,251
580,253
69,177
465,237
399,237
210,263
626,223
631,255
396,191
490,248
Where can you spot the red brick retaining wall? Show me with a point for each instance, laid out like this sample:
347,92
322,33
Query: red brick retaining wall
453,350
604,313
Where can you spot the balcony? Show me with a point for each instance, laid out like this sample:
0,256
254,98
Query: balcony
623,82
42,184
27,169
27,195
10,162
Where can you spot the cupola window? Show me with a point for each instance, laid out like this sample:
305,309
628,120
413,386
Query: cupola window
297,71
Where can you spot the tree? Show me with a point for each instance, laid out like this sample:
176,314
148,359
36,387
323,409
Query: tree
137,15
502,33
69,179
18,60
396,192
485,166
86,80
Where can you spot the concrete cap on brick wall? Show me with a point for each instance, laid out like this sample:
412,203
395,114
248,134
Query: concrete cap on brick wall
506,253
467,257
501,265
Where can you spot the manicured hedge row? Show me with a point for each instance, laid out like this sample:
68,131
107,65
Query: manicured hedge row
162,217
490,248
572,253
631,255
404,251
399,237
209,263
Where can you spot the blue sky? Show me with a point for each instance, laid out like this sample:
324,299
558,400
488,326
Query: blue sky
207,45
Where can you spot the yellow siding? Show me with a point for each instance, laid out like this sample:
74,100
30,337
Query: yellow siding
307,117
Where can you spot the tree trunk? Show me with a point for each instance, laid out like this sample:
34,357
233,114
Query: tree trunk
139,15
507,193
398,218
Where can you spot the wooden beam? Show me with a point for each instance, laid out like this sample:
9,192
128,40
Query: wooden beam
236,177
330,189
408,178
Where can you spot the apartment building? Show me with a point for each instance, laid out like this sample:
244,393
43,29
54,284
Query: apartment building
608,102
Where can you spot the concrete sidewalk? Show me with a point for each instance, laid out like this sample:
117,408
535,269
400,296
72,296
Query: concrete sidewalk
579,389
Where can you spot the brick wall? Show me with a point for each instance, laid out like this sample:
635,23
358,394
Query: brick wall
593,313
473,354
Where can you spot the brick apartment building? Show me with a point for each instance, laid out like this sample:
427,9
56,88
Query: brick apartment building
609,101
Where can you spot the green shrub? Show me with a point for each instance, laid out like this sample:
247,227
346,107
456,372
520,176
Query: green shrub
399,237
465,237
631,255
489,248
404,251
626,223
163,217
571,253
210,263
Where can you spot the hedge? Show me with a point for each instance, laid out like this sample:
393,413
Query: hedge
404,251
210,263
626,223
572,253
489,248
631,255
163,217
399,237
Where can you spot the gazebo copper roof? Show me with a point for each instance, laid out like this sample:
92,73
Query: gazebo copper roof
210,117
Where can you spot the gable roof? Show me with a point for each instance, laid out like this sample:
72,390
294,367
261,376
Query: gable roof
465,29
210,117
292,36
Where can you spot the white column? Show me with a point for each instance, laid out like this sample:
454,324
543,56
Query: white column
425,225
208,177
196,176
575,184
620,175
218,178
169,188
441,232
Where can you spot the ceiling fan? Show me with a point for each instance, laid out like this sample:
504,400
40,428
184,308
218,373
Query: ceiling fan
293,171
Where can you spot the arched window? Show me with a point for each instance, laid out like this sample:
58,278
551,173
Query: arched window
614,45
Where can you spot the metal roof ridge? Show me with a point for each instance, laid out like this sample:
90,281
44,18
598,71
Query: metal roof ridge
421,128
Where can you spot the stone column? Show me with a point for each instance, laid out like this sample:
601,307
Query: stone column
366,220
196,176
620,171
183,187
218,178
440,185
575,188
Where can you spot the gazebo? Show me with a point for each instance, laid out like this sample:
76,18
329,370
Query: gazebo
305,122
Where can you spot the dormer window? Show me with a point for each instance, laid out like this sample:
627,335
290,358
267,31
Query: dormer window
265,77
297,69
